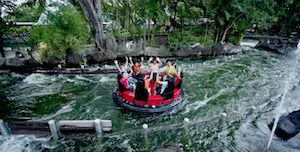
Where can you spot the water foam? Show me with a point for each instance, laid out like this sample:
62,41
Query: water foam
65,109
35,79
24,143
279,109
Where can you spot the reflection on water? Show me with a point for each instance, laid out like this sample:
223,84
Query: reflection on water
226,84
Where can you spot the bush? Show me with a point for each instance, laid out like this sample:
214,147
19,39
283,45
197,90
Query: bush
180,40
67,28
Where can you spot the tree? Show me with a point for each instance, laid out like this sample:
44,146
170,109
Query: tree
67,28
5,26
93,12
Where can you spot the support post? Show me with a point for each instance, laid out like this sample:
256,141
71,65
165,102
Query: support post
54,129
59,69
145,128
223,117
4,129
186,121
98,127
82,68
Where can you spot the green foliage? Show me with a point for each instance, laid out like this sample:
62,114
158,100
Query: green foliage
180,40
67,29
26,13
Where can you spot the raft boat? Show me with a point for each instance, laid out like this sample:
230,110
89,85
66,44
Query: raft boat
152,104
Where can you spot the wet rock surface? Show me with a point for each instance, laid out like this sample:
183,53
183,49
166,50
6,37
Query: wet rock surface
288,126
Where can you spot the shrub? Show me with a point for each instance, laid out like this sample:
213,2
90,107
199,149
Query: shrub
67,28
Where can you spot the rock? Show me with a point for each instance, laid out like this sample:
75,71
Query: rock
99,56
294,117
51,61
196,45
15,62
233,49
288,126
133,50
72,60
285,128
170,147
90,59
227,48
160,52
111,44
187,52
2,61
31,63
205,51
139,48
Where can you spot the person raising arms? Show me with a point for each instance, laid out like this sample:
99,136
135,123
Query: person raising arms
155,65
136,66
123,68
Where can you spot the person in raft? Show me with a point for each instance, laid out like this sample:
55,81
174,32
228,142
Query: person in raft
169,69
154,65
163,82
127,85
123,68
178,78
147,81
136,66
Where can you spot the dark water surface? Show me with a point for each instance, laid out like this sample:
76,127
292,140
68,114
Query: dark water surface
226,84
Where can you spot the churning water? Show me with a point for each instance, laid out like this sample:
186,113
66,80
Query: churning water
226,84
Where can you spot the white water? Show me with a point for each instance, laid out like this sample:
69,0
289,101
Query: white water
286,89
24,143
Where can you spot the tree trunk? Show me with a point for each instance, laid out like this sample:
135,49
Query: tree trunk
149,32
206,31
2,22
119,26
226,30
126,23
93,12
217,36
144,28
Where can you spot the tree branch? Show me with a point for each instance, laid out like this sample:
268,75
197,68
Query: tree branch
226,30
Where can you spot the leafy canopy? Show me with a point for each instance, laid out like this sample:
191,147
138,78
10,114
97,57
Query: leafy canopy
67,28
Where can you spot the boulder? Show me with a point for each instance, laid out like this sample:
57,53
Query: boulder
15,62
72,60
288,126
294,117
205,51
31,63
111,44
51,61
100,56
285,128
227,48
160,52
190,51
90,59
139,47
2,61
233,49
136,49
218,49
